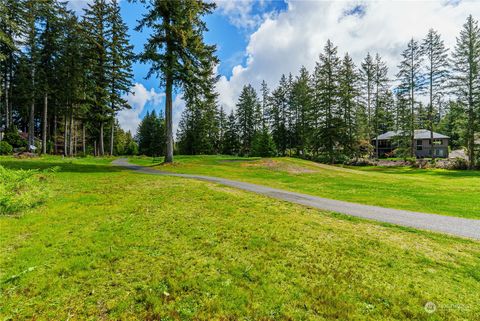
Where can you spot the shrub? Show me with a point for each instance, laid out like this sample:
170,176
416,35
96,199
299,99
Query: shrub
5,148
20,190
360,162
459,163
13,138
263,145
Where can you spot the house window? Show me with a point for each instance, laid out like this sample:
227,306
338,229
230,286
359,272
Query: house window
419,144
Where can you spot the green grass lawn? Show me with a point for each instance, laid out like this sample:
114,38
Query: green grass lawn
109,244
455,193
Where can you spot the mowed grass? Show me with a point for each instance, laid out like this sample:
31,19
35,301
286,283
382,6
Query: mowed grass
454,193
110,244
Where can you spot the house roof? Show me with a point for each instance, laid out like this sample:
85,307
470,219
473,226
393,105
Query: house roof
419,134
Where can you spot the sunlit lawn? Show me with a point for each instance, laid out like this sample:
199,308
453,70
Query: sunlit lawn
455,193
110,244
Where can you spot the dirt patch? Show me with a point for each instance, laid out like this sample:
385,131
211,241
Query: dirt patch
236,160
275,165
338,168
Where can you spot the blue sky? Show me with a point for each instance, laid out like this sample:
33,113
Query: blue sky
229,28
263,39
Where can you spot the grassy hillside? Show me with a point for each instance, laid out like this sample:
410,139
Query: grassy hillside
455,193
111,244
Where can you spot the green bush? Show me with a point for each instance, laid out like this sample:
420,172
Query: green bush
20,190
263,145
13,138
5,148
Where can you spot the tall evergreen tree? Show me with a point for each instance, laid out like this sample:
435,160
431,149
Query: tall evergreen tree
231,144
367,75
95,23
176,48
247,106
411,80
466,79
326,102
437,66
120,56
380,81
302,101
348,97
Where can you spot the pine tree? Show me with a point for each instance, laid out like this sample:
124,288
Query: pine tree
222,127
246,106
49,48
348,94
31,52
231,145
466,79
12,28
176,48
367,74
411,82
302,101
279,113
325,100
380,84
95,23
120,56
437,67
151,135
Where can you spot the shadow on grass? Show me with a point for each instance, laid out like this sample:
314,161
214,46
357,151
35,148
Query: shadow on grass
66,166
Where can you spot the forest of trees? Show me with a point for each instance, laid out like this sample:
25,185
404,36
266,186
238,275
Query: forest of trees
64,78
332,113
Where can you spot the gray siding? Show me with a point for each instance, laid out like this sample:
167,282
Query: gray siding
423,148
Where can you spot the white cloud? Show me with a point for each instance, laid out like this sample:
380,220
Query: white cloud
137,99
177,110
239,12
290,39
78,5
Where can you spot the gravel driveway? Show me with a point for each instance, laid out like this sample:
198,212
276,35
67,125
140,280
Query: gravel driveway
463,227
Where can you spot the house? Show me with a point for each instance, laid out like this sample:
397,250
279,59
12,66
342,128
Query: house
423,143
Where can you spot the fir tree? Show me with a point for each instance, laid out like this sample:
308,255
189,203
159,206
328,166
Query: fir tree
466,79
247,104
380,84
95,24
231,143
411,82
119,56
326,100
348,94
176,48
436,56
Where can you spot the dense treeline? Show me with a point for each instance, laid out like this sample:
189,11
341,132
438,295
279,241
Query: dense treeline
63,78
332,113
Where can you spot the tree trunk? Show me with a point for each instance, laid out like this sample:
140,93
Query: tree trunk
44,124
65,136
31,125
112,135
95,148
75,139
55,131
83,140
71,136
7,115
168,120
101,149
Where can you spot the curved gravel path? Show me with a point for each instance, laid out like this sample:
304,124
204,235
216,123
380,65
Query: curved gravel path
463,227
